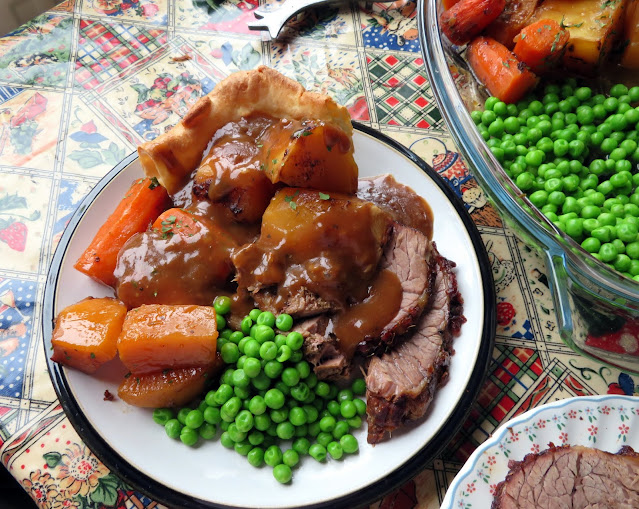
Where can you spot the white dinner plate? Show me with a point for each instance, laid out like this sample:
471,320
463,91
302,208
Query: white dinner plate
127,440
603,422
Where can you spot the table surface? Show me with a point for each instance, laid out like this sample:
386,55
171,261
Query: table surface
83,84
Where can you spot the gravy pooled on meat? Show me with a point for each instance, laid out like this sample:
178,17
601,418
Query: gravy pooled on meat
400,201
328,246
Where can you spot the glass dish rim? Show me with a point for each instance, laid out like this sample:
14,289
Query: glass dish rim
492,175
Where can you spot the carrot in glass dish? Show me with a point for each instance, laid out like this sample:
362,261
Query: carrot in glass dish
447,4
499,70
540,45
142,204
467,18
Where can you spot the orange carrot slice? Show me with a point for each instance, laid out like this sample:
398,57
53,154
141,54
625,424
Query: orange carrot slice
177,222
142,204
86,333
467,18
541,44
499,70
161,336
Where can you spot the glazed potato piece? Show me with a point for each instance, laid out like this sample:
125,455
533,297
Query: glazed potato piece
166,388
315,156
594,26
86,333
158,336
313,243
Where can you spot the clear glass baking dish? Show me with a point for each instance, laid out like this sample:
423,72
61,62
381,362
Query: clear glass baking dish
597,308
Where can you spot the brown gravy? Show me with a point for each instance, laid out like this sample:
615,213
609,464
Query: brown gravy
328,244
368,318
156,268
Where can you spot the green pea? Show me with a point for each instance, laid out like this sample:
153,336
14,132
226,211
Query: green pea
268,350
349,443
273,456
284,322
163,415
194,419
173,427
274,398
608,252
256,456
294,340
627,232
222,304
341,429
335,450
188,436
618,90
317,452
591,244
539,198
273,369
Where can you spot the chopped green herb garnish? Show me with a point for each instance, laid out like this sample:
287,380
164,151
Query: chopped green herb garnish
324,196
154,183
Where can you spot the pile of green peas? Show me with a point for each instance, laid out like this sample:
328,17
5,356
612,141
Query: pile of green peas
269,398
575,153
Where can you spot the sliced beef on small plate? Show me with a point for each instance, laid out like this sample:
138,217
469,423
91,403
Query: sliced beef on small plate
571,477
408,254
400,384
321,349
398,200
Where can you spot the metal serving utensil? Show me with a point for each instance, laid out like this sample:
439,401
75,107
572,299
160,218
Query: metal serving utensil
273,21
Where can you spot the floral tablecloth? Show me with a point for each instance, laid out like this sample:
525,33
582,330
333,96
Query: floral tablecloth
83,84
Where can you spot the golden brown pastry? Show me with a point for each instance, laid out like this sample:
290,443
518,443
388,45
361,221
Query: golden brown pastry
173,156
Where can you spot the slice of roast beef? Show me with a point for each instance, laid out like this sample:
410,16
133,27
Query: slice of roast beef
400,201
401,383
321,349
571,477
409,254
299,304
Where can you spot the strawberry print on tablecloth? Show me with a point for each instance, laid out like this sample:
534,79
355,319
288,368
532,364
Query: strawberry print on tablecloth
24,203
29,127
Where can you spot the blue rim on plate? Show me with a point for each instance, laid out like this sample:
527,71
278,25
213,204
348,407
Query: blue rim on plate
173,498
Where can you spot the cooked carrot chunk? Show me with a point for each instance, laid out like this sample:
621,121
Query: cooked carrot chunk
86,333
541,44
177,222
467,18
167,388
499,70
160,336
142,204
